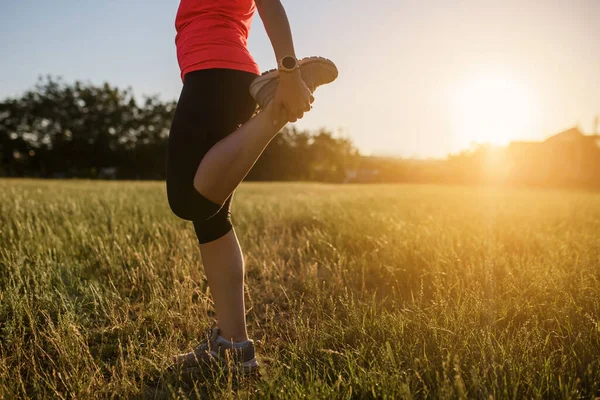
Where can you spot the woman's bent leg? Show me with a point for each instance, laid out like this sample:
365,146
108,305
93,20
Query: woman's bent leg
227,163
212,105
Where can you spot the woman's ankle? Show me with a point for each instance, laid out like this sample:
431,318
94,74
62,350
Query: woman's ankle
234,337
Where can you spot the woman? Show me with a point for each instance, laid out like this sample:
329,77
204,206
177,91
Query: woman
214,142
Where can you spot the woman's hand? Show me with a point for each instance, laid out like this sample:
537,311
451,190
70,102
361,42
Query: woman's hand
292,96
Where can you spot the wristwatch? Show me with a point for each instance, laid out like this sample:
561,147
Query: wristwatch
288,64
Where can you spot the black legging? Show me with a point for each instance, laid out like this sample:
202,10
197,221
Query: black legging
213,104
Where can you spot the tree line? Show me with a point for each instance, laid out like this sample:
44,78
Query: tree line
58,129
81,130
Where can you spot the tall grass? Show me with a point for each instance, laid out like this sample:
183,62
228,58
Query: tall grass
378,291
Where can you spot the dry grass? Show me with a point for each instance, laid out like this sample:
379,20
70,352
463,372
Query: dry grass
381,291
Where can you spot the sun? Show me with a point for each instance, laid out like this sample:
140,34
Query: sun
493,110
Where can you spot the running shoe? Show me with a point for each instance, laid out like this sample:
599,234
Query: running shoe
229,356
315,71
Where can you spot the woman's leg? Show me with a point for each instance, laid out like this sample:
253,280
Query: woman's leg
224,268
227,163
212,105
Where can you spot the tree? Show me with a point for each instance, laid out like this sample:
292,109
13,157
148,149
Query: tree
58,129
301,155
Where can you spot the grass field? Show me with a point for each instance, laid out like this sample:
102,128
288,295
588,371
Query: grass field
382,291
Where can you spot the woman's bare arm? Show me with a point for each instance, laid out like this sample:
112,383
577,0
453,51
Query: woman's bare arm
277,26
292,93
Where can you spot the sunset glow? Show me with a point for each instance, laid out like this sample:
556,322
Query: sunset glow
493,109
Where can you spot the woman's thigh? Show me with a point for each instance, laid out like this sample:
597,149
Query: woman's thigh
213,104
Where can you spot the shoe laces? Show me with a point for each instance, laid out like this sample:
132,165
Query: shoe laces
205,344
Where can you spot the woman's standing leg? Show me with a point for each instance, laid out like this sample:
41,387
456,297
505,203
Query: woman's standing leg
224,267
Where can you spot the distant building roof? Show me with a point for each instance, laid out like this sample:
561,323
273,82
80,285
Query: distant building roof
566,136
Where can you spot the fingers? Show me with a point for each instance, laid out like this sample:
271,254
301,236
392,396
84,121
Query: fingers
294,106
302,110
292,114
306,103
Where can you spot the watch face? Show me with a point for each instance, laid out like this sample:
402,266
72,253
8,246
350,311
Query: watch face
288,62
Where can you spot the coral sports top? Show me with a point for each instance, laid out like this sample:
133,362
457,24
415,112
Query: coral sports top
214,34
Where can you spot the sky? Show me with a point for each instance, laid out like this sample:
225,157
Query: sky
418,78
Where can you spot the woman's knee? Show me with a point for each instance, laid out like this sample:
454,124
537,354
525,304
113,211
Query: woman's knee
177,202
188,204
213,228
